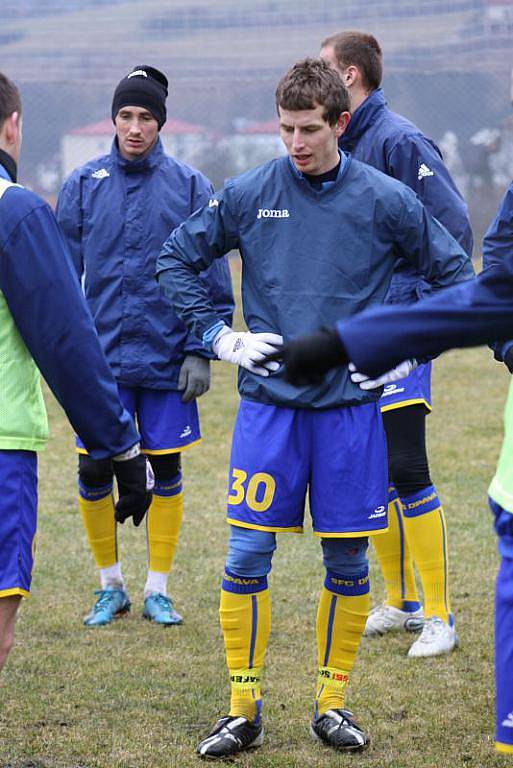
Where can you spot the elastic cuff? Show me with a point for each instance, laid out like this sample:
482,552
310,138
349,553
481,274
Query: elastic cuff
211,333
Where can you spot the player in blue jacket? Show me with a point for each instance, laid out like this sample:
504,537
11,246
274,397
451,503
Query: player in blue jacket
45,324
115,212
417,528
318,235
466,315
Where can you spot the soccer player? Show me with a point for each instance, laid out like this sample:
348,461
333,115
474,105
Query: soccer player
318,234
115,212
417,528
45,324
476,313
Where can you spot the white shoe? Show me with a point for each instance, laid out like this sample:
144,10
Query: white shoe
437,638
386,618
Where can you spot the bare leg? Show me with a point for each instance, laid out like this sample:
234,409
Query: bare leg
8,608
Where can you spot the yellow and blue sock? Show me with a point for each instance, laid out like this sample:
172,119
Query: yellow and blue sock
426,531
245,614
163,523
395,560
341,616
96,507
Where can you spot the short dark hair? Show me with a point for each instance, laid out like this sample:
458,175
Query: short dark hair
362,51
10,99
311,83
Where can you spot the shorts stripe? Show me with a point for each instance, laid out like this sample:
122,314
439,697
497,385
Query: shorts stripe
14,591
500,746
405,404
274,529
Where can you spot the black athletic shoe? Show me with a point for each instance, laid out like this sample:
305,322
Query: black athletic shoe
337,728
229,736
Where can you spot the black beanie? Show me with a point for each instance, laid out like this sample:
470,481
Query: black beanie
142,87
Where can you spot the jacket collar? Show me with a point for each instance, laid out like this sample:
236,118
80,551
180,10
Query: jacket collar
8,167
147,163
362,118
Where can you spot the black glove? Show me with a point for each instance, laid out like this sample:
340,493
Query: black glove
508,359
135,482
308,358
194,377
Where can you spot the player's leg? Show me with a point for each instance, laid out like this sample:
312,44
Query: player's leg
18,522
163,524
504,631
167,426
348,501
424,526
261,502
96,505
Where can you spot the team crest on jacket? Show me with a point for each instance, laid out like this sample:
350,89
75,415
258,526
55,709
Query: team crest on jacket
101,173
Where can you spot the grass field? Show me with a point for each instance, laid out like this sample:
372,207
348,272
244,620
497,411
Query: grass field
133,695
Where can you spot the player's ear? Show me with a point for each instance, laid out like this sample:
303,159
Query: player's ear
342,123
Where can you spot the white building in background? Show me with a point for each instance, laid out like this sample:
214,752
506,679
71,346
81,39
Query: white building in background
253,143
185,141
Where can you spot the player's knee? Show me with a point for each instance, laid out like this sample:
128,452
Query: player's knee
409,472
250,552
94,474
165,466
345,556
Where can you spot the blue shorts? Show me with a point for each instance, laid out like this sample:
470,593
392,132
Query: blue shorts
338,455
415,389
165,423
18,520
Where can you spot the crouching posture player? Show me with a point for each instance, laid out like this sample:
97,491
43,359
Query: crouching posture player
318,235
115,212
45,324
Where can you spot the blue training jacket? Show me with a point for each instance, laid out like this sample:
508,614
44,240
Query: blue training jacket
395,146
309,257
479,312
43,294
115,215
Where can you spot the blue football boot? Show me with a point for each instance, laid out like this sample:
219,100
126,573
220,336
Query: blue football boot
111,603
159,609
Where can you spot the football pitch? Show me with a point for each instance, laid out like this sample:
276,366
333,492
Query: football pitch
134,695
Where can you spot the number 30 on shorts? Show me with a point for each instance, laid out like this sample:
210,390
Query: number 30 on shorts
258,490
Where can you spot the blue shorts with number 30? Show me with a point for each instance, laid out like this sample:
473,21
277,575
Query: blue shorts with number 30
337,455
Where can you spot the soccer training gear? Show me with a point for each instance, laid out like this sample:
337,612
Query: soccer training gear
337,729
194,377
436,639
159,609
399,372
229,736
135,480
248,349
111,603
386,618
307,359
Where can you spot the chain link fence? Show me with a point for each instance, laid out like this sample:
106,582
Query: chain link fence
447,67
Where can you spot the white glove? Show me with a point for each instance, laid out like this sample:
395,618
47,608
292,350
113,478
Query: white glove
247,349
399,372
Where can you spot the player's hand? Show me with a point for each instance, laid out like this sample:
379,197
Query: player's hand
249,350
399,372
135,480
508,359
194,377
307,359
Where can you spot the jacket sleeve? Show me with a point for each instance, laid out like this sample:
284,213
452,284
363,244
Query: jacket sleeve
216,277
417,162
497,246
466,315
49,310
192,248
69,215
429,246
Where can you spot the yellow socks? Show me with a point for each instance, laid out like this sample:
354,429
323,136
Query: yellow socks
245,614
425,528
341,616
395,560
97,513
163,524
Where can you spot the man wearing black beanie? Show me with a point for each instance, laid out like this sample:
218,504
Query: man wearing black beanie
116,211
